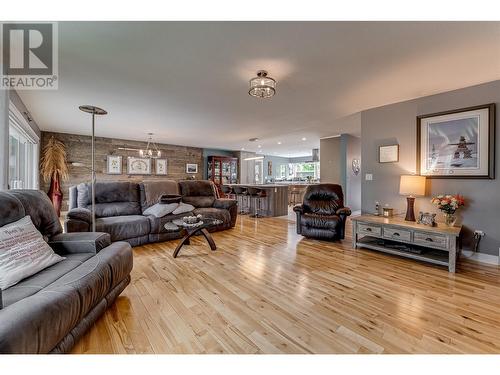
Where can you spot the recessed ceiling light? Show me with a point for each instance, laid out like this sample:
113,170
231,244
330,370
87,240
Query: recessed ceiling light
243,149
259,146
253,139
304,138
279,142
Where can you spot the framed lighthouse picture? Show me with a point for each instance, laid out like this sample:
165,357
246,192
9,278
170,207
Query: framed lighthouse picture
457,144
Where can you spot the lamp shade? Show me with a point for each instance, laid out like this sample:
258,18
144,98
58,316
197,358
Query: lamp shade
412,185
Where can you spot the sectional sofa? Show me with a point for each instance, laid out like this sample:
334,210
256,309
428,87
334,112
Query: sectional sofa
50,310
120,207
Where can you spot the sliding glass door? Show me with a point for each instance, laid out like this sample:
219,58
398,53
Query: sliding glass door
23,155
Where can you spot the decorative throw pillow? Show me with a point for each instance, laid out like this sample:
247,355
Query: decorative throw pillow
23,252
84,192
183,208
160,210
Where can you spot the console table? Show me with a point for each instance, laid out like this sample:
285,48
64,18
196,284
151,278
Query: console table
394,235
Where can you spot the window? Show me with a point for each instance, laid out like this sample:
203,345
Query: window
304,171
23,152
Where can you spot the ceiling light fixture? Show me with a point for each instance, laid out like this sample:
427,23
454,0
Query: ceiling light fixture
304,139
279,142
151,149
262,86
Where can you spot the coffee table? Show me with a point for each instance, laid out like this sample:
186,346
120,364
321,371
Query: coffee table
190,230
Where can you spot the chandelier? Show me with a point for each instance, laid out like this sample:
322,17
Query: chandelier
151,149
262,86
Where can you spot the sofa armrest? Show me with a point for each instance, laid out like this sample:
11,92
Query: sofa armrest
81,214
224,203
83,242
344,211
298,208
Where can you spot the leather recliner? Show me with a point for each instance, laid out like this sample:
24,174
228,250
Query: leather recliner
322,214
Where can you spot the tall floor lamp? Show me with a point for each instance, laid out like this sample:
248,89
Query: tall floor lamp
94,111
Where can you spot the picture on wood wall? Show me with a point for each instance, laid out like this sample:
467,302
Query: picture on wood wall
161,166
114,164
191,168
457,144
138,165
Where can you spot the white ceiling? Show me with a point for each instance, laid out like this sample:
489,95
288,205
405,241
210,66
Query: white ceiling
187,82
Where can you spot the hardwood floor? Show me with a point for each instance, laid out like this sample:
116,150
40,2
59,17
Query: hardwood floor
268,290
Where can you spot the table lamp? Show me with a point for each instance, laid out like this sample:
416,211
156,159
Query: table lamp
411,186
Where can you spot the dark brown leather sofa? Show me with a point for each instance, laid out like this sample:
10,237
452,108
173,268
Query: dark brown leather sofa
322,214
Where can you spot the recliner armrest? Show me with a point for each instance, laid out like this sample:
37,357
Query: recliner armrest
298,208
82,214
224,203
82,242
344,211
1,300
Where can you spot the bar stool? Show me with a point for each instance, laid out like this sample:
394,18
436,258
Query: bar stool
227,191
257,201
242,199
294,196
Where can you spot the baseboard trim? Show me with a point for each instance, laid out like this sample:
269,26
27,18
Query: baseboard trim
481,258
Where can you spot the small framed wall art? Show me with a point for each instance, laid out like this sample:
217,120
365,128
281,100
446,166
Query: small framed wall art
114,164
388,154
138,165
191,168
161,166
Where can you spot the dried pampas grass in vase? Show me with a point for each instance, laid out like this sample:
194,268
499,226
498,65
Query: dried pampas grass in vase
53,168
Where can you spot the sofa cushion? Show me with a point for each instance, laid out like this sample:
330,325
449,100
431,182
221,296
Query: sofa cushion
83,196
36,324
123,227
23,252
38,207
118,191
201,201
160,210
214,213
116,209
183,208
198,193
12,209
158,223
151,191
320,221
37,282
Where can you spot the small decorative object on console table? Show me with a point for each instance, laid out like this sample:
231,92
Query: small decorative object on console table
449,204
411,186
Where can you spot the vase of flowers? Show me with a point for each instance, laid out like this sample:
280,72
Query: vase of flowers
449,204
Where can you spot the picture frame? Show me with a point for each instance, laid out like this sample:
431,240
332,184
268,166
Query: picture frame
457,144
269,168
191,168
427,218
388,154
113,164
161,167
138,166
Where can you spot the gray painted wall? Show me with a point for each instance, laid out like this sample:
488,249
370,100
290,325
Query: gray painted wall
330,160
396,124
276,161
351,184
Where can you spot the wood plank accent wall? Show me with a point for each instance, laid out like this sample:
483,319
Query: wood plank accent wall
78,148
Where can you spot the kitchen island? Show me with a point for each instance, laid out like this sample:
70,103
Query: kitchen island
276,200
